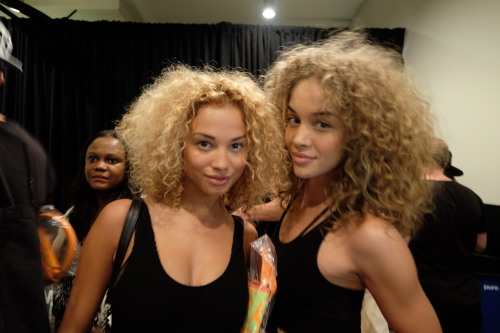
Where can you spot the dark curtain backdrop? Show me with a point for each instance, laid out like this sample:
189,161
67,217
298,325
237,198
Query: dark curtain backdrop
79,76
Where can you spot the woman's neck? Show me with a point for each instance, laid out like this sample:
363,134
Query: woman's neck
313,194
436,174
207,211
104,198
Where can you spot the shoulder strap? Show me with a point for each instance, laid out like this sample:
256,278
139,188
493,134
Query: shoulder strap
309,226
276,231
126,235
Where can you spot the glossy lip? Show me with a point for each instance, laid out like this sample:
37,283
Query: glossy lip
301,159
218,180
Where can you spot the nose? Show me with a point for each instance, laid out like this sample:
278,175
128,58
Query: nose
100,165
220,159
301,135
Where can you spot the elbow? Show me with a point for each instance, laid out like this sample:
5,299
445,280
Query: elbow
481,242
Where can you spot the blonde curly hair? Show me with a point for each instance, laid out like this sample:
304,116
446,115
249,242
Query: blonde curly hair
388,125
155,128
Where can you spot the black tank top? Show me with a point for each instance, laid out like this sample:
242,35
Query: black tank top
306,301
146,299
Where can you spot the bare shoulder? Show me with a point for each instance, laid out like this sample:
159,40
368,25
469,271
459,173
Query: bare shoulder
104,234
112,216
377,248
375,236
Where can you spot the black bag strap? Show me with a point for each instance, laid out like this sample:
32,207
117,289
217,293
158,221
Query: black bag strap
126,236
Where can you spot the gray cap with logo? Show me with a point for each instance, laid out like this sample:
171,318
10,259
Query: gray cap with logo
6,48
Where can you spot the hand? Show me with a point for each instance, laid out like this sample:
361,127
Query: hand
239,212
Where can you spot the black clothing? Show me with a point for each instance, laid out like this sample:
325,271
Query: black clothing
146,299
305,300
443,250
26,175
26,182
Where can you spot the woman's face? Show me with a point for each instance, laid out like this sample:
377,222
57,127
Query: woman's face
216,150
105,164
314,134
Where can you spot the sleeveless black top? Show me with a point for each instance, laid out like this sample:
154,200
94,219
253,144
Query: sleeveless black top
305,300
146,299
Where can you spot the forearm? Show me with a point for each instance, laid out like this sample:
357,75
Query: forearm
270,211
417,316
77,318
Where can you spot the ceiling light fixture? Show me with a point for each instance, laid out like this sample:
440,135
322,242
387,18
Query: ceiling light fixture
11,7
269,9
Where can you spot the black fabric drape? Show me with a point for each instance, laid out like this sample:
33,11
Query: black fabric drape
79,76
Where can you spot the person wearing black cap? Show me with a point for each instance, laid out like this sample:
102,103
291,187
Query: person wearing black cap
449,170
443,247
27,182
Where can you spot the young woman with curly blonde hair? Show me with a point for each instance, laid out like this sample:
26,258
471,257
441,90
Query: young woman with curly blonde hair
357,132
200,143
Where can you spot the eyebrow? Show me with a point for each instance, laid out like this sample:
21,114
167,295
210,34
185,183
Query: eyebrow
213,138
114,154
319,113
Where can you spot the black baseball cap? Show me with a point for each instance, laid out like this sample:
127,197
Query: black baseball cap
451,170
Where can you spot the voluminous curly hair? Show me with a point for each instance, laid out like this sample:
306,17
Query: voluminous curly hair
156,126
388,126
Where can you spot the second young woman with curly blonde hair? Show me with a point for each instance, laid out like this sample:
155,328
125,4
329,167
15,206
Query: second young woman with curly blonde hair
357,134
200,143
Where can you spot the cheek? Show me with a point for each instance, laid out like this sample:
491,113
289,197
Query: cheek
88,171
192,160
334,147
288,137
239,163
117,175
120,172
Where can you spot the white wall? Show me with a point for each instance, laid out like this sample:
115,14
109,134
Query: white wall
453,48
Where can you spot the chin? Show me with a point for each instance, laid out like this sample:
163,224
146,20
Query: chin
219,192
100,188
301,173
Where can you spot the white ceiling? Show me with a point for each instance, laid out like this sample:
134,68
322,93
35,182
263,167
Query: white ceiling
316,13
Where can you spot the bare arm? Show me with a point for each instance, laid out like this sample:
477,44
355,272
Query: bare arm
481,242
388,271
270,211
94,267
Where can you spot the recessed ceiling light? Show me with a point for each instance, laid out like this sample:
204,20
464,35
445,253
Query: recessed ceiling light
269,9
269,13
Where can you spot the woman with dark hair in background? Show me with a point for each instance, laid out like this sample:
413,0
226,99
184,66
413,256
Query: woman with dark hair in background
102,177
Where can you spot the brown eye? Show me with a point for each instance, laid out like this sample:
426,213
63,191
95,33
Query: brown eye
204,145
237,146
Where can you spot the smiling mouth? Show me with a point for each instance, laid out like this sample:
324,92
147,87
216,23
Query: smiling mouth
218,180
301,159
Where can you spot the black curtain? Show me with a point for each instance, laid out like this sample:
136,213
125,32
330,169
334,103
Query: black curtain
79,76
